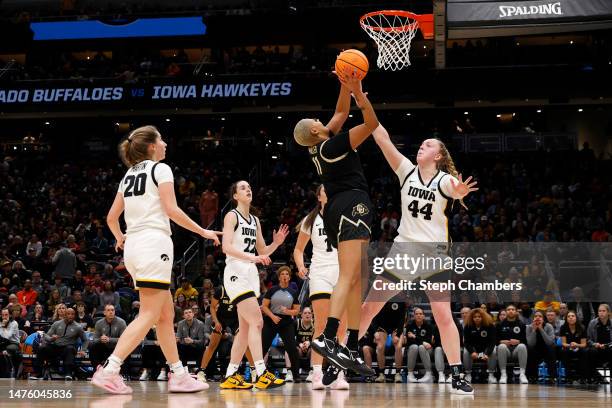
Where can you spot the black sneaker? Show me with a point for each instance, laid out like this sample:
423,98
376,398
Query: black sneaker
461,387
352,361
331,374
328,348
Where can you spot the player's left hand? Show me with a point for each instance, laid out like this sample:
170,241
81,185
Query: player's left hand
278,237
462,188
119,244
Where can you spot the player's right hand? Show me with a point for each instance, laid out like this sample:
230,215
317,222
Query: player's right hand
303,272
218,327
262,259
210,234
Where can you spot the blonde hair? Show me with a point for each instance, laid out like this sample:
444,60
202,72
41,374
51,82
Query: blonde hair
448,165
302,134
135,148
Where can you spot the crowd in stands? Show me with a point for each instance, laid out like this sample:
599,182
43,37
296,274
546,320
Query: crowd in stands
61,277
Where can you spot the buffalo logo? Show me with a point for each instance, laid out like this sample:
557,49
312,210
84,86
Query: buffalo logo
423,332
165,257
233,278
483,334
394,306
360,210
516,330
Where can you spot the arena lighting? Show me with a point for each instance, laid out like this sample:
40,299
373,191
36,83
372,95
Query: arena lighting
466,113
279,117
499,115
539,111
167,119
275,157
279,143
47,123
579,109
350,115
409,114
222,118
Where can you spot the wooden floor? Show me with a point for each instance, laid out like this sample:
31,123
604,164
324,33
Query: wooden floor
153,394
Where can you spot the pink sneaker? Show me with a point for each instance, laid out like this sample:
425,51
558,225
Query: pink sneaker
340,383
317,381
112,383
185,383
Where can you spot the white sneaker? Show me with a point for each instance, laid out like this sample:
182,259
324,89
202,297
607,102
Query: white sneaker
144,376
441,378
309,377
523,379
398,378
317,381
381,378
427,378
492,379
289,377
468,377
201,376
449,379
503,379
163,375
411,378
340,383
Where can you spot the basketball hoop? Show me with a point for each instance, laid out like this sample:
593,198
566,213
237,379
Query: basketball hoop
393,31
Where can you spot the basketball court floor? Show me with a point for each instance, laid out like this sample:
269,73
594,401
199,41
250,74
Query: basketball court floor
153,394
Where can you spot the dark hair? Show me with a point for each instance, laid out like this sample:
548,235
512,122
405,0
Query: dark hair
232,190
579,326
487,320
135,148
309,219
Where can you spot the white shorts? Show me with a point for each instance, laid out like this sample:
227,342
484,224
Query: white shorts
241,281
322,280
148,257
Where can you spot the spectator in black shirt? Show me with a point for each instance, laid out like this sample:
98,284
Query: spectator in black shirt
599,334
480,343
574,345
512,343
390,322
279,307
419,340
82,317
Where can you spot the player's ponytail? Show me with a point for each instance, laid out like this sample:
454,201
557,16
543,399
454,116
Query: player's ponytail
135,148
309,219
448,165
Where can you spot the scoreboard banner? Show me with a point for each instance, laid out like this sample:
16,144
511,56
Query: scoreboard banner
145,95
464,13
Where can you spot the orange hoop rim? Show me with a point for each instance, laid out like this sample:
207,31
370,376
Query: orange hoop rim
423,21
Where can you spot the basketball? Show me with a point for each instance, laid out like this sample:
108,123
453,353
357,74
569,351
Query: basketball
352,62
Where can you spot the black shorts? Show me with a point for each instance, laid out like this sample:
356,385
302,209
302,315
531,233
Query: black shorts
348,215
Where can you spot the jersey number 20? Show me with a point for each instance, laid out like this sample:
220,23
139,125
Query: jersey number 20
415,210
135,185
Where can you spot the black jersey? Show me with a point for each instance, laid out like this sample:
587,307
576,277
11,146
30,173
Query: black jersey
391,317
338,165
423,333
480,339
227,310
304,334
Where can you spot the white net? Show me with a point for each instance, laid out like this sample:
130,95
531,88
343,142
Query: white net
393,35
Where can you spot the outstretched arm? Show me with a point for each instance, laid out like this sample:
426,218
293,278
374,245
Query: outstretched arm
393,156
343,106
277,240
359,134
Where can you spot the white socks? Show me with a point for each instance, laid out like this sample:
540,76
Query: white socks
178,369
317,368
112,365
260,367
231,369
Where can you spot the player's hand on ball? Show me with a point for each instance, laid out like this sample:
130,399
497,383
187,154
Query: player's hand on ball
278,237
303,272
214,235
263,259
463,188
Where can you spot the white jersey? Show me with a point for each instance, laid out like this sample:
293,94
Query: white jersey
323,253
245,235
143,208
424,206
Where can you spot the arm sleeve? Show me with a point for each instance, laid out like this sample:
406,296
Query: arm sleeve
531,336
335,147
404,169
548,334
269,293
50,333
163,174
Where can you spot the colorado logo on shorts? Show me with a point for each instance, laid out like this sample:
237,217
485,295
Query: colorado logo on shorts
360,209
165,257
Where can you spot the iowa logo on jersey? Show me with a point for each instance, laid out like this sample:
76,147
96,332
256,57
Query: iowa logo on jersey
360,210
165,257
233,278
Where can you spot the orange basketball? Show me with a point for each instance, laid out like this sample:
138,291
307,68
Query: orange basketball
352,62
